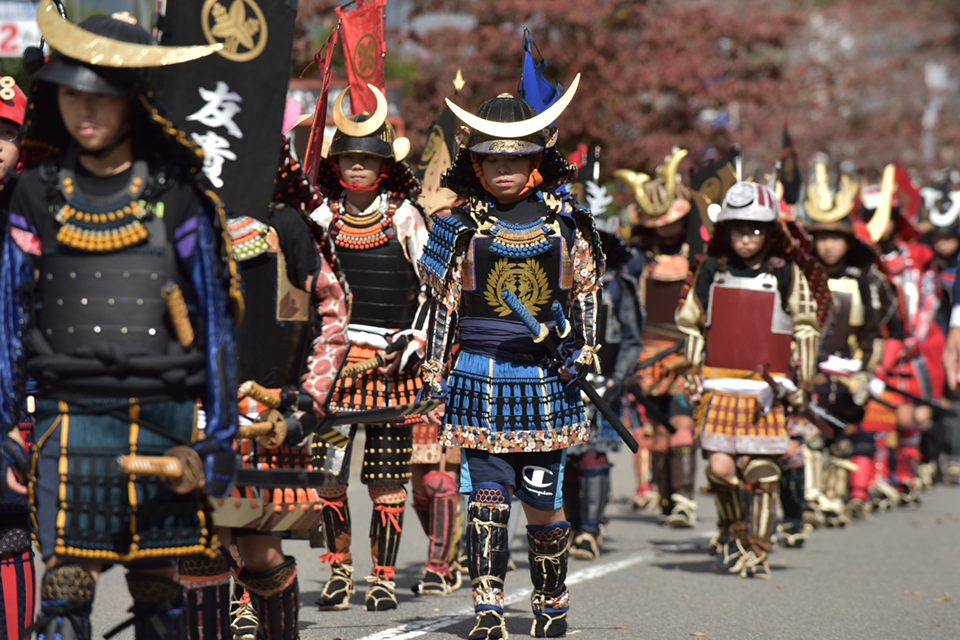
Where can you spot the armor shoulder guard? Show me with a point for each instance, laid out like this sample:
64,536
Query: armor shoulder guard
584,221
249,237
448,237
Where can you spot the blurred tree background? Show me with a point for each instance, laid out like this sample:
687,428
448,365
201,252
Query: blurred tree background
860,81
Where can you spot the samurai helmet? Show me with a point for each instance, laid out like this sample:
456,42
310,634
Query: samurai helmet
749,201
103,55
663,200
830,211
13,101
366,132
510,126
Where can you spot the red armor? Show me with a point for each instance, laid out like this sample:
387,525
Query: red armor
763,332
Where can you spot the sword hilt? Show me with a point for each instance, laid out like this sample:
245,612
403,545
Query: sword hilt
376,361
563,327
537,330
179,317
180,469
270,432
260,394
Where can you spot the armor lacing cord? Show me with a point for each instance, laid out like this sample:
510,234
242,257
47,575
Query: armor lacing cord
391,513
334,558
382,573
335,504
478,524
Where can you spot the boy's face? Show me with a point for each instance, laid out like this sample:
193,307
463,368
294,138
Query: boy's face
506,175
944,245
747,238
831,247
360,169
9,146
93,120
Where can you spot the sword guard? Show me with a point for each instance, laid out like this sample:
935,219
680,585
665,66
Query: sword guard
270,431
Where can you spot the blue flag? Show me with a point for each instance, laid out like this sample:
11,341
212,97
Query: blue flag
534,88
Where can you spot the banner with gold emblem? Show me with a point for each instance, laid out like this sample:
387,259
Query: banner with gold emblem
364,47
231,103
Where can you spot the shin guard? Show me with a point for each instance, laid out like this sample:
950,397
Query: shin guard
791,495
726,496
389,503
18,588
206,584
159,608
487,512
764,477
275,597
660,472
441,488
594,491
861,478
335,514
550,599
66,600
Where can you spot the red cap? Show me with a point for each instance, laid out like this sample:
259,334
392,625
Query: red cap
13,101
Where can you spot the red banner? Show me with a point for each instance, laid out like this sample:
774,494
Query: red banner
363,47
315,143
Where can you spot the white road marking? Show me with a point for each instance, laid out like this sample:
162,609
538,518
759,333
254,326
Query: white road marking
423,626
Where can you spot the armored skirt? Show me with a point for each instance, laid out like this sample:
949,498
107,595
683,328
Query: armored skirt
738,416
85,508
388,447
510,407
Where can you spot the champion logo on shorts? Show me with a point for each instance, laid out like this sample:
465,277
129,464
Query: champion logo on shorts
533,476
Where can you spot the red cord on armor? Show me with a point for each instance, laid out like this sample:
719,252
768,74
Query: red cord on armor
385,573
386,511
335,503
333,558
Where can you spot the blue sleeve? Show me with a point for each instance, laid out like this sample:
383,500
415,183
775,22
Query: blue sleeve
955,296
16,276
213,302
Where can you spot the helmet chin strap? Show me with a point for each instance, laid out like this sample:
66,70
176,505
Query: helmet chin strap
122,135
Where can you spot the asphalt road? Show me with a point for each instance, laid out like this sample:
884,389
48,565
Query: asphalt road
896,576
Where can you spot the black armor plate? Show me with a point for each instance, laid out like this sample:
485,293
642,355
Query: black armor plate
384,284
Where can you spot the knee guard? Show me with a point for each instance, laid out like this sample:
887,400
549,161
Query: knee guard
159,608
335,514
550,599
444,495
275,597
763,475
18,588
66,600
726,495
594,491
488,512
206,585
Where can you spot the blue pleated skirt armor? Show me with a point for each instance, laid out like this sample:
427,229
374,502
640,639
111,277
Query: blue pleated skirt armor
503,407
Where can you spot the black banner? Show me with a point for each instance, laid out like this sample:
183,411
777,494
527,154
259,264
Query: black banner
232,102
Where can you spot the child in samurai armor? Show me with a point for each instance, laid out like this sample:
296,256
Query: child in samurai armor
18,576
911,359
379,233
851,344
750,306
586,476
128,320
507,406
664,211
291,345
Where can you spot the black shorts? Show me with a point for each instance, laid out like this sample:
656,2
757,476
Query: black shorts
536,476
